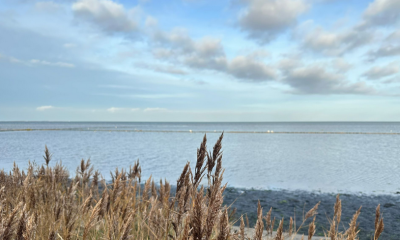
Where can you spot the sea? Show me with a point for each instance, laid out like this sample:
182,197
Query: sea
328,157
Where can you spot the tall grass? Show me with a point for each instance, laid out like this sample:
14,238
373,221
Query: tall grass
45,203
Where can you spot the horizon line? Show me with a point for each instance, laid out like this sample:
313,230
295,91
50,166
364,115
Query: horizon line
309,121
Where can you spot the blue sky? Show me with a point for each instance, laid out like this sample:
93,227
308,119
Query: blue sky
199,60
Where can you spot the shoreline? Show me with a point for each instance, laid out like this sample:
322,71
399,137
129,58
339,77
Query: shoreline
287,203
374,193
250,232
194,131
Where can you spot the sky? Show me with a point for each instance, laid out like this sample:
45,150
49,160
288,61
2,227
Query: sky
199,60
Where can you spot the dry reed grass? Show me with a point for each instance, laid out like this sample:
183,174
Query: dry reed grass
44,203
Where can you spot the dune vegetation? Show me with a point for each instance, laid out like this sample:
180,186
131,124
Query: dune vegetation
44,202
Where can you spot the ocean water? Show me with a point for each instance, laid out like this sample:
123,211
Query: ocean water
347,157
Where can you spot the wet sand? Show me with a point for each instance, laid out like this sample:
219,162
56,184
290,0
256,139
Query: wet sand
287,203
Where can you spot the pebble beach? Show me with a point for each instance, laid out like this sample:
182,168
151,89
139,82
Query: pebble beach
289,203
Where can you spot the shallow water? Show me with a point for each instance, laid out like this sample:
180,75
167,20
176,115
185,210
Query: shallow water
367,163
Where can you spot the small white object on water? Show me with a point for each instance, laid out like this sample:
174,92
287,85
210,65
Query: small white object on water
215,130
272,131
190,130
268,131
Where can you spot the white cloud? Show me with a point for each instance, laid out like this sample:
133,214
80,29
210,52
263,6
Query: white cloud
384,51
378,72
177,45
162,68
208,54
393,37
263,20
162,53
382,13
288,63
217,63
109,16
44,108
115,109
177,38
37,62
395,79
334,43
15,60
151,22
69,45
317,80
379,13
341,65
250,69
58,64
209,47
11,59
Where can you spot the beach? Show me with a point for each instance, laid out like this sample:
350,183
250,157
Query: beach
287,203
250,232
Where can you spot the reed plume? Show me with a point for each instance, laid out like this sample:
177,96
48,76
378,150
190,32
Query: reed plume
47,155
379,226
259,224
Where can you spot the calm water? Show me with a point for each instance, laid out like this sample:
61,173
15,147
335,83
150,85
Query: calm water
367,163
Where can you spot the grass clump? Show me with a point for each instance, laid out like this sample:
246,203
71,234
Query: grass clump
45,203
